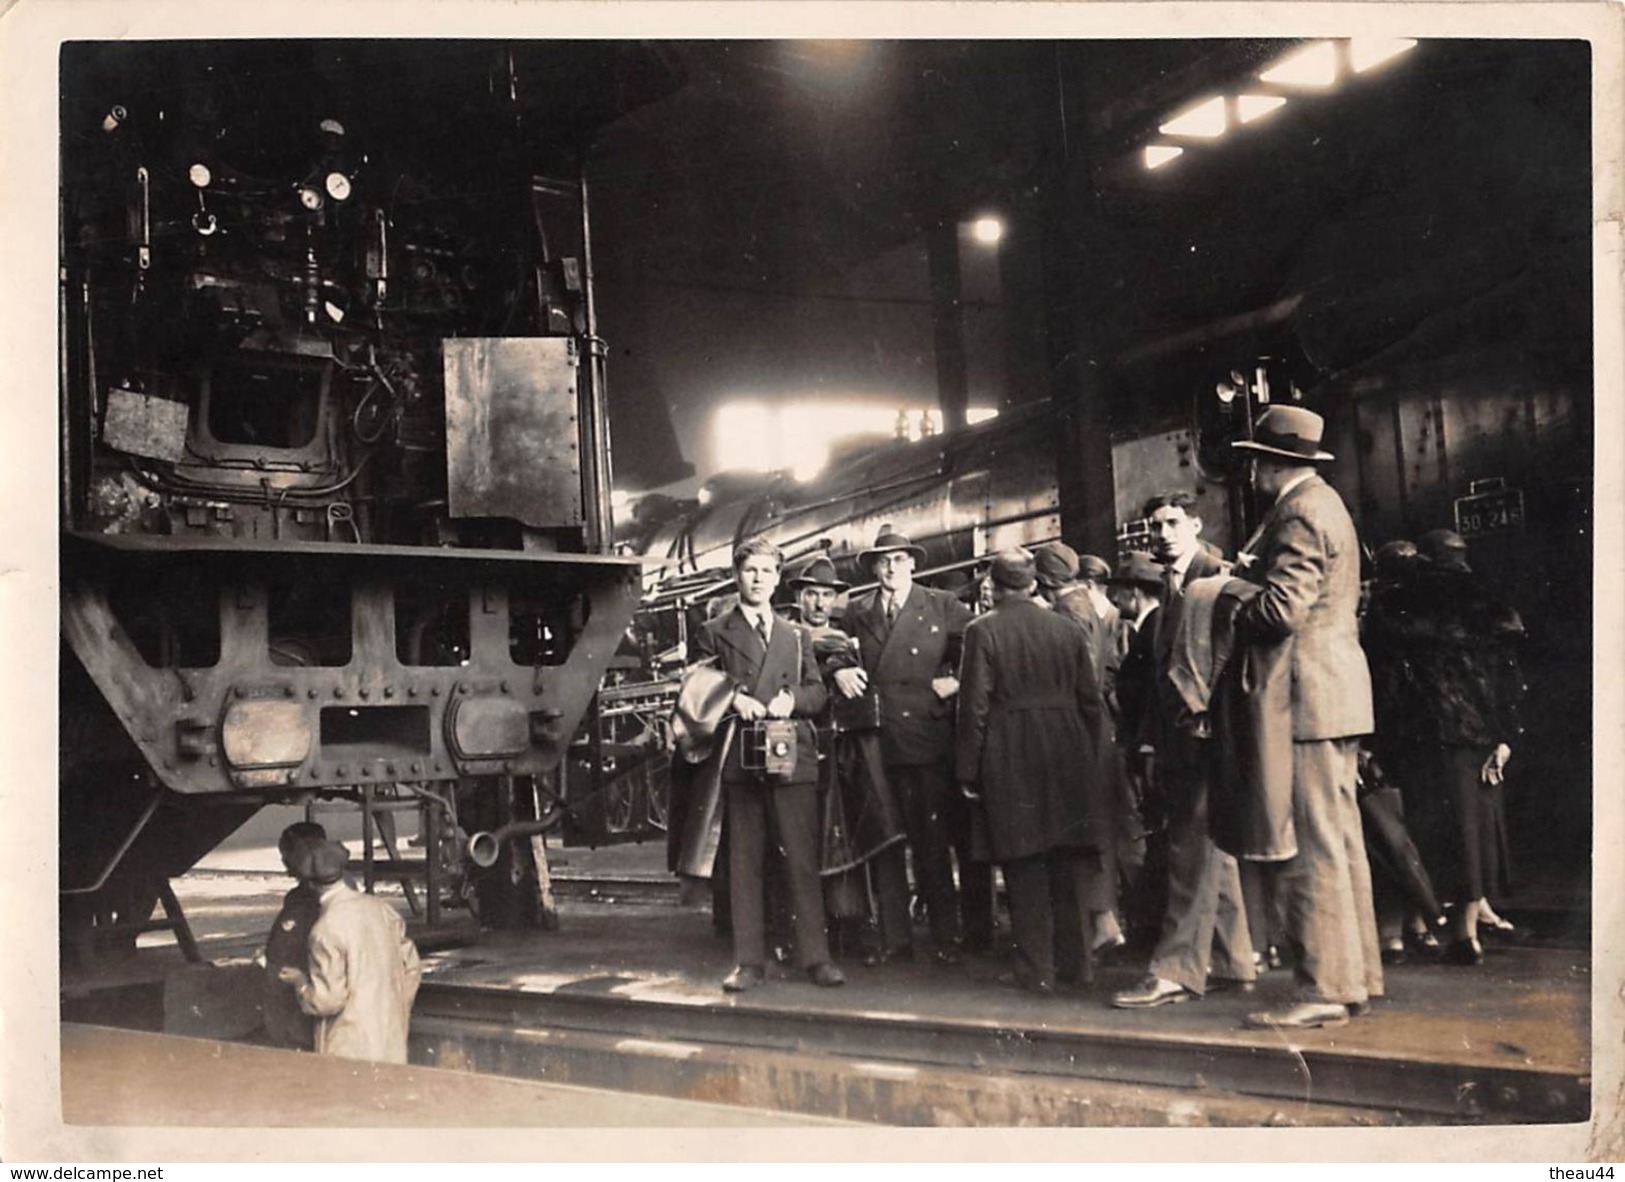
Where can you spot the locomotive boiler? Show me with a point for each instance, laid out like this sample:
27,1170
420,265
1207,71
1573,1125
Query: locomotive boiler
334,459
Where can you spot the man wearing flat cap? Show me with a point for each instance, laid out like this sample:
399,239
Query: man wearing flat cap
364,971
862,856
1305,556
1030,748
909,638
1058,569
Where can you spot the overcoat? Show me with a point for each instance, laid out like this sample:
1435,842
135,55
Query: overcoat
1031,732
916,727
364,975
1308,563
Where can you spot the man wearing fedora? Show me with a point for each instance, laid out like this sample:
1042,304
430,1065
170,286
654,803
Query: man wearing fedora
909,638
364,971
862,852
1305,556
1030,749
774,675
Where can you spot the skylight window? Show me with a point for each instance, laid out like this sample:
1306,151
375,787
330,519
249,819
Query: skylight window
1204,121
1365,53
1156,155
1256,106
1312,66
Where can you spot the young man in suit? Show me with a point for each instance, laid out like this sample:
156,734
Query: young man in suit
1306,557
1204,939
775,675
909,638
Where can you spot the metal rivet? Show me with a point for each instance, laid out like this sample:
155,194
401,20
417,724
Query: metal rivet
435,690
411,691
240,692
505,687
389,769
389,691
310,693
288,691
437,765
365,770
365,692
339,692
417,766
341,771
463,688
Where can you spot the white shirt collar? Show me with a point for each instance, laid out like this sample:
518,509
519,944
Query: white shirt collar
755,616
1180,565
1292,484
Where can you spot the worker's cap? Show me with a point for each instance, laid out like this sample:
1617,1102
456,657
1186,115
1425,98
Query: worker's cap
1055,564
1013,569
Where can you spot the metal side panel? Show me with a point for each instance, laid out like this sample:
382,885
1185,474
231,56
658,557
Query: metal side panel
512,437
265,711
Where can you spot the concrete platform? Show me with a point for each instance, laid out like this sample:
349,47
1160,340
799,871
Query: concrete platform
124,1077
1508,1041
626,996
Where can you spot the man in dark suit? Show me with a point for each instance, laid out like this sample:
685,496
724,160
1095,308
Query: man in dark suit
1204,930
775,676
1306,557
863,856
908,639
1030,748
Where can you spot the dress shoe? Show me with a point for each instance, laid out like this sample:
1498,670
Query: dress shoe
1152,992
1230,985
1424,944
826,975
1394,953
1358,1009
745,976
1466,951
1308,1015
881,956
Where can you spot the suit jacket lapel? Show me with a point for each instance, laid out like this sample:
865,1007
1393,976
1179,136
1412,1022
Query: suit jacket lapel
888,634
747,645
781,646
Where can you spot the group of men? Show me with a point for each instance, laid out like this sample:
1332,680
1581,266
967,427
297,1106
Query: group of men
1018,738
341,973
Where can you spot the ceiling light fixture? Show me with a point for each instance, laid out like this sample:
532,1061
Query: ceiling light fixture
1365,53
1156,155
1313,66
1203,121
988,231
1256,106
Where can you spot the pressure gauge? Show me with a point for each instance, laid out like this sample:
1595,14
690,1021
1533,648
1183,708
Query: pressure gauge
310,198
338,186
199,175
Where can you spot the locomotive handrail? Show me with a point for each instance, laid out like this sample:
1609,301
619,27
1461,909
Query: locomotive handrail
118,855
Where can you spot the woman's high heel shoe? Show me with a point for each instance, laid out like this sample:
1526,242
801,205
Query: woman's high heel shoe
1467,951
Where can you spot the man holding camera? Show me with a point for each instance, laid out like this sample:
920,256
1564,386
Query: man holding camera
769,773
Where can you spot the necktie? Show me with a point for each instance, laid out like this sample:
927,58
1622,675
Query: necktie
1170,584
762,629
891,609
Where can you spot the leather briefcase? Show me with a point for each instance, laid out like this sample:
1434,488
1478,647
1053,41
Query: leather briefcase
854,715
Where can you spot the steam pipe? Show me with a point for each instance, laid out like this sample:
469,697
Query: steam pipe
485,847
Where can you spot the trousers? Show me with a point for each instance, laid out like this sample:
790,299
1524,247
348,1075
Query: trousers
790,812
1326,889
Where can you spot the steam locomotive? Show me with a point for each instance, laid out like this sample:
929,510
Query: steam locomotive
334,496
